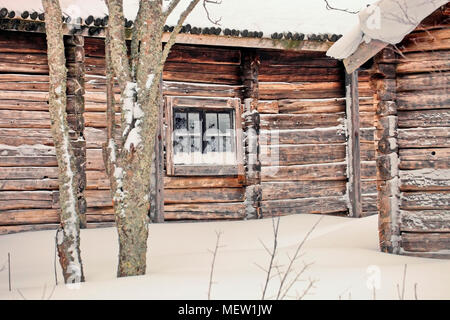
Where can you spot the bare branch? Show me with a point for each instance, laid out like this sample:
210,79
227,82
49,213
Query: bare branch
218,234
329,7
216,21
172,5
275,227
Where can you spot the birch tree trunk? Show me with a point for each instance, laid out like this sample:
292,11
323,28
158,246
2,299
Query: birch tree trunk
128,162
68,237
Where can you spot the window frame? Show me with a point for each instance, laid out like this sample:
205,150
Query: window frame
205,104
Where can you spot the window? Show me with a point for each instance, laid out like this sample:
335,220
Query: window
203,136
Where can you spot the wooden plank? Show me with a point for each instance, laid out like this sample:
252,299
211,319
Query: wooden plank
300,206
302,90
300,59
435,158
28,185
202,90
430,99
28,161
204,211
303,136
203,170
300,121
270,106
426,62
423,138
27,217
425,221
312,106
363,53
424,118
353,145
335,171
14,173
301,154
429,200
201,195
425,179
426,81
301,189
425,242
429,40
200,182
194,54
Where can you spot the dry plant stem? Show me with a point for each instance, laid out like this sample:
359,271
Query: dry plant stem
216,248
293,259
308,288
275,226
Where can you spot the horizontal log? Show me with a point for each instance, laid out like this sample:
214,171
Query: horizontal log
98,198
27,217
25,58
97,180
23,68
425,242
301,154
28,185
209,78
430,99
201,195
335,171
303,90
24,228
210,55
429,40
23,105
95,137
425,179
25,138
15,173
369,204
18,42
368,170
28,161
423,138
425,221
312,106
204,211
94,159
429,200
203,90
202,170
434,158
427,81
300,59
300,121
24,119
24,204
303,136
24,150
301,189
200,182
424,118
368,186
24,96
426,62
268,106
301,206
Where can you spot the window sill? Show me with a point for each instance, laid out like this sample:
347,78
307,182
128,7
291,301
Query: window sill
205,170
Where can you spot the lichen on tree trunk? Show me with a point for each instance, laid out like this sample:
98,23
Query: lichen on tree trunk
68,236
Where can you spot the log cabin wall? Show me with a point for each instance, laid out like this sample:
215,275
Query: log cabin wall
414,156
29,197
302,134
294,100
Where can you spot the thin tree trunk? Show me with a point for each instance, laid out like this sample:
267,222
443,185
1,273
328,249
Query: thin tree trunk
68,239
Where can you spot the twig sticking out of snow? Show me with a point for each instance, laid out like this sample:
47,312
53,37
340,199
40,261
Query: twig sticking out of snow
214,253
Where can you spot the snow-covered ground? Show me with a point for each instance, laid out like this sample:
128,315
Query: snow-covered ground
344,252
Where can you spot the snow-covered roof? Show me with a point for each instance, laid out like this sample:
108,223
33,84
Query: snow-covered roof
388,21
268,16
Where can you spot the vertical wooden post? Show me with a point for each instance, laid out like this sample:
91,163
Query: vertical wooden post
353,145
249,74
157,179
383,81
74,47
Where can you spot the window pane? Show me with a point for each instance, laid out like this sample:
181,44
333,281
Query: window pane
180,136
211,133
195,132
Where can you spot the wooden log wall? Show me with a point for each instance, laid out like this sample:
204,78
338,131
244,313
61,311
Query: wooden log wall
423,110
302,134
189,71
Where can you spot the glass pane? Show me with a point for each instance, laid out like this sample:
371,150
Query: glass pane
224,122
211,133
180,137
194,125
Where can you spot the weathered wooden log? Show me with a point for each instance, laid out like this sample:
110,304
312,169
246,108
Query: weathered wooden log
424,118
203,90
431,99
14,173
279,90
300,121
425,180
312,106
200,182
425,242
201,195
436,158
425,221
336,171
28,217
426,81
423,138
429,200
303,136
431,40
204,211
301,189
424,62
29,185
301,154
300,206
